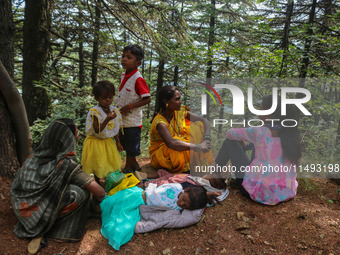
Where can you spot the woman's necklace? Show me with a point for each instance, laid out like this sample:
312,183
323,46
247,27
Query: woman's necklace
173,125
168,118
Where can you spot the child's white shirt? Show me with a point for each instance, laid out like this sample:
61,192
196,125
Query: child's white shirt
165,195
112,127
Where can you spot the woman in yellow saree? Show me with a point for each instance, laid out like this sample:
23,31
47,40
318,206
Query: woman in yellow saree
179,139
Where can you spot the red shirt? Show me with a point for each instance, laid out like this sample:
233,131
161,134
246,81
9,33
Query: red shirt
141,87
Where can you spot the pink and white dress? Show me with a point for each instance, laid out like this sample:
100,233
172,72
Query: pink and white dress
269,179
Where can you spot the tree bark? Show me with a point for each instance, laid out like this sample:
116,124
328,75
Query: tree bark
6,36
35,54
94,73
8,156
81,50
14,124
285,40
337,143
160,76
150,71
210,43
16,120
308,42
176,76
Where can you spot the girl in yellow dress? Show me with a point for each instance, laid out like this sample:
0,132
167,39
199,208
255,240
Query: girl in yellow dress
100,154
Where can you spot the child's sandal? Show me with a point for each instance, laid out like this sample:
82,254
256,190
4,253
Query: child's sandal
134,168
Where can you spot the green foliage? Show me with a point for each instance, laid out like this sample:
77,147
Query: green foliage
145,137
248,43
69,102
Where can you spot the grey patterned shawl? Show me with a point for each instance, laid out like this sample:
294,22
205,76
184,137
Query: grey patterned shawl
39,186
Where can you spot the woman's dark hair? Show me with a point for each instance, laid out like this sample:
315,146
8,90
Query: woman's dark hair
103,87
70,124
289,136
198,197
166,92
135,50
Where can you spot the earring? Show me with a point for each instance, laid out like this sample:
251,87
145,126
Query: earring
166,106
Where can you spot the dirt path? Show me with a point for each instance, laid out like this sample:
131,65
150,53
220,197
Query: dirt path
308,224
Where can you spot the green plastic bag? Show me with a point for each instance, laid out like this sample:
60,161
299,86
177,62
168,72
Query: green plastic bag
113,179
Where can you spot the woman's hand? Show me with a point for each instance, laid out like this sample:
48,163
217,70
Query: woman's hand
206,146
96,190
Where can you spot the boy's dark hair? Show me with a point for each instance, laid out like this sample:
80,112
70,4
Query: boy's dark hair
103,87
198,197
289,136
135,50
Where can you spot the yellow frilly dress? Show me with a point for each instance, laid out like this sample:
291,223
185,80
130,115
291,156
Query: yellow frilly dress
179,128
100,155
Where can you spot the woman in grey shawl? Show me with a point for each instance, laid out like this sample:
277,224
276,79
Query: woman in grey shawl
50,193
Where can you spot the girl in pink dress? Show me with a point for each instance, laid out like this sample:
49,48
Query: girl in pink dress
271,177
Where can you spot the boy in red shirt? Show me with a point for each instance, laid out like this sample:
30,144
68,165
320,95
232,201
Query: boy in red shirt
133,94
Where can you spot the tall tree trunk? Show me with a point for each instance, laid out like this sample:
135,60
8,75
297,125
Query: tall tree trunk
81,62
337,143
6,36
35,54
8,158
160,76
13,118
150,72
176,76
210,43
308,42
327,16
81,50
227,61
285,40
94,73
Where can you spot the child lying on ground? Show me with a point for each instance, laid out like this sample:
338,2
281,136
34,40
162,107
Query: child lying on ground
173,196
120,212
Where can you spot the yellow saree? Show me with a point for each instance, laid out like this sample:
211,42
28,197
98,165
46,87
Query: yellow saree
179,128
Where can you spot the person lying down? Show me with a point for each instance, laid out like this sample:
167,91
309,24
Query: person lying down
173,196
214,185
120,212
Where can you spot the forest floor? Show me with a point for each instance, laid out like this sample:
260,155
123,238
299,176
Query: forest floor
307,224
